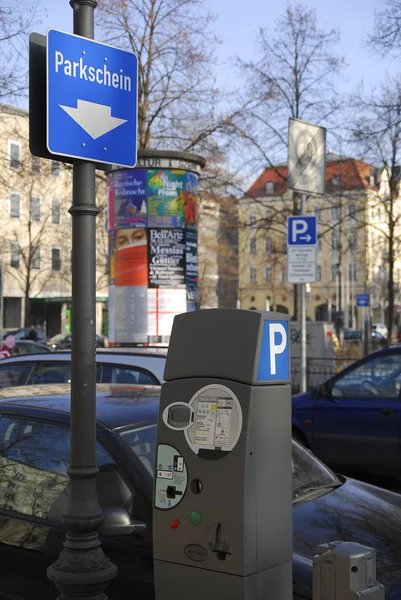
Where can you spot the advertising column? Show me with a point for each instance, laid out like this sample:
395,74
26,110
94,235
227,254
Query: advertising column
152,224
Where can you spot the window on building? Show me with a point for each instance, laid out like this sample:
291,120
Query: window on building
353,241
14,150
352,211
335,213
352,271
55,211
55,168
268,245
318,273
317,211
333,271
283,274
15,202
372,181
56,259
35,208
268,273
252,218
252,245
252,275
336,180
35,257
269,214
14,254
335,239
36,165
269,187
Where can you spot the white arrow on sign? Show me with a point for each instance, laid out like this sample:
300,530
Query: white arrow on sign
94,118
306,237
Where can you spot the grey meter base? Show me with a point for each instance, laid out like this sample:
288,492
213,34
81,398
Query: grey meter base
222,518
175,582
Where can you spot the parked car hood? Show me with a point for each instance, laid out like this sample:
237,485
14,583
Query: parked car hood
354,512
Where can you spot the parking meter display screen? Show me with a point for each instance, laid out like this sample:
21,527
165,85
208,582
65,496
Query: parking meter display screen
179,416
218,419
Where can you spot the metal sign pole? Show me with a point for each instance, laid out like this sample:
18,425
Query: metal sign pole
82,569
302,307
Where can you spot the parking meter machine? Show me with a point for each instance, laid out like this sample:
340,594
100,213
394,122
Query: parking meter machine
222,513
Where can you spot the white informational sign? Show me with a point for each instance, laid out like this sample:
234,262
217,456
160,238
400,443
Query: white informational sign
306,157
301,264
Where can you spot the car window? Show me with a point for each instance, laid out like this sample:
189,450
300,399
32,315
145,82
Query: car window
34,457
50,372
378,377
142,442
308,472
12,374
125,374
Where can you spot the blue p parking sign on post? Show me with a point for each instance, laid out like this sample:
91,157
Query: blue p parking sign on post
301,231
91,100
362,299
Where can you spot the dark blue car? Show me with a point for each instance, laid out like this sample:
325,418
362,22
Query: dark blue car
353,420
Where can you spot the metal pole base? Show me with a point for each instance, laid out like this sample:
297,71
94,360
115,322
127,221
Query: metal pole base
82,570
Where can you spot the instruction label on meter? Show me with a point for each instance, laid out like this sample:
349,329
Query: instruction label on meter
218,419
171,477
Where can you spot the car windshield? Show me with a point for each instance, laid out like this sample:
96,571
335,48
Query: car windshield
308,473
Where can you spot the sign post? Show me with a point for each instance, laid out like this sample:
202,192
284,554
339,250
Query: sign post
306,174
362,301
301,243
91,109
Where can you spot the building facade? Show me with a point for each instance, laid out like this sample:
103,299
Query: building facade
351,256
36,234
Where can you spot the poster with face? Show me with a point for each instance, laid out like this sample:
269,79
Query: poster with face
130,257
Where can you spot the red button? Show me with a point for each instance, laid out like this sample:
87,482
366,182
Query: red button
174,524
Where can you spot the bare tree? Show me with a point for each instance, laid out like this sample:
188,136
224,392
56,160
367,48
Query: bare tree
386,35
378,131
16,22
294,75
174,45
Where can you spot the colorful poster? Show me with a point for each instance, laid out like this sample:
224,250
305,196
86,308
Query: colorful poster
127,198
166,252
166,203
130,258
190,198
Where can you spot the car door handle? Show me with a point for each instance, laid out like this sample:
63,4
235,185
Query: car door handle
386,412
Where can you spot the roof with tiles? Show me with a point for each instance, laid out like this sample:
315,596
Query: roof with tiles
352,174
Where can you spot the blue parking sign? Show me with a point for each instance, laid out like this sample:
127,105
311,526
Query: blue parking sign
274,358
301,231
91,100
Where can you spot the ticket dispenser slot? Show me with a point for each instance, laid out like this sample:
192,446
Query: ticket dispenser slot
222,517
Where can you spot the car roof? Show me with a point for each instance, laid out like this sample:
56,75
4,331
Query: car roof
116,405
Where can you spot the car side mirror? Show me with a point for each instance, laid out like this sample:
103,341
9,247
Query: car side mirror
116,521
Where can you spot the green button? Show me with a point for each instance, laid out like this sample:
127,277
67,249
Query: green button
196,517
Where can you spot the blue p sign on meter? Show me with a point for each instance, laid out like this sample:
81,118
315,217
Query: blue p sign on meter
274,358
91,100
301,231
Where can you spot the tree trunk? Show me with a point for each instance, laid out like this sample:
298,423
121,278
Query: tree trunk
27,300
390,309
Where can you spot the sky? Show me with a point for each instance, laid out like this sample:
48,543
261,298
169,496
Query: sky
238,22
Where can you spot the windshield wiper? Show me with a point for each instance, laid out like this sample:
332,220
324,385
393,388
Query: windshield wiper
317,488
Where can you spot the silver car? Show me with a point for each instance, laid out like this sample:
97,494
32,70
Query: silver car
127,366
